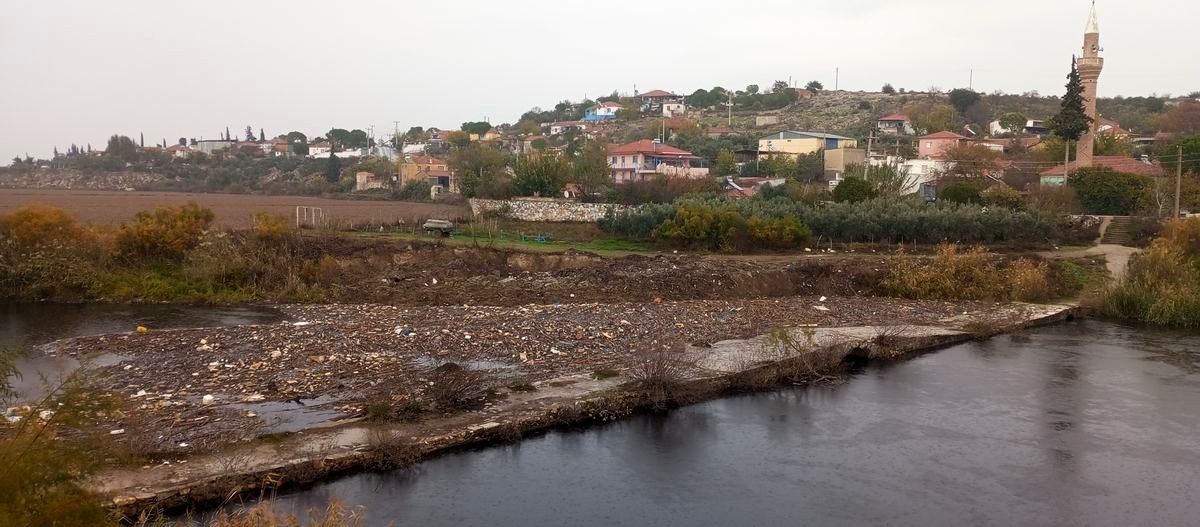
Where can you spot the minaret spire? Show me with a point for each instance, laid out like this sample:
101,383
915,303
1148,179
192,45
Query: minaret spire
1093,26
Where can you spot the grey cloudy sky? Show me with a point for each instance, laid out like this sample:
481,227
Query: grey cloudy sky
79,71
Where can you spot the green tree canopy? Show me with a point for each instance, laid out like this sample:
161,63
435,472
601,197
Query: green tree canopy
478,127
814,86
853,190
540,175
1105,191
333,168
961,192
477,167
121,147
962,98
726,163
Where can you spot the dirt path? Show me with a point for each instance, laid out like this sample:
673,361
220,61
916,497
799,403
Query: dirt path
1116,257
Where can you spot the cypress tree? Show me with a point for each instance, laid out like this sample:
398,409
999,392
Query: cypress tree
333,169
1072,120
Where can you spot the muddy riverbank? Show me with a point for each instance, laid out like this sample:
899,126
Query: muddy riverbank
568,394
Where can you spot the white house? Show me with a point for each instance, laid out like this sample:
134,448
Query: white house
605,111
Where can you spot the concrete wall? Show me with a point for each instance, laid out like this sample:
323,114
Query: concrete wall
543,209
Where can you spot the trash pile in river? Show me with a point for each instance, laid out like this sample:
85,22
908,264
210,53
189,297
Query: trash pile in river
201,387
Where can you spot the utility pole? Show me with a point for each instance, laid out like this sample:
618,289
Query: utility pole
870,140
837,76
971,80
1178,179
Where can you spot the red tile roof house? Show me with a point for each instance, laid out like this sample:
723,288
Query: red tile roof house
646,159
1058,175
653,100
934,146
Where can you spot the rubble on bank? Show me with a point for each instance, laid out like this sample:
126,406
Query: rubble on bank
206,387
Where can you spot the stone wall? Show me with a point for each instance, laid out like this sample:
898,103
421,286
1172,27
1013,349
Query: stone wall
543,209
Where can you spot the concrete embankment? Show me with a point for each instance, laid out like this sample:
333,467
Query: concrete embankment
568,400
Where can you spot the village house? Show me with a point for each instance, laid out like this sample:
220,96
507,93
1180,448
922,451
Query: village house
561,127
211,146
432,170
320,149
839,152
604,111
747,187
717,132
1032,126
645,159
935,145
664,103
895,124
179,151
1058,175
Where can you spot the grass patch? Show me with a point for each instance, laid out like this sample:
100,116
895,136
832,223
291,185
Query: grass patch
523,387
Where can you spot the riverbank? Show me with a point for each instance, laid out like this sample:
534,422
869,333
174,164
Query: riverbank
572,386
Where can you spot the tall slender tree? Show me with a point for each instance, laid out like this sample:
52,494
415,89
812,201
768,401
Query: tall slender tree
1072,119
262,136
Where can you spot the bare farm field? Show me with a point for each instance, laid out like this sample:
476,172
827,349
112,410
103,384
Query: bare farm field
232,210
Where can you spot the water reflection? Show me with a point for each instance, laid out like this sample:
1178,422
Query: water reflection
1077,424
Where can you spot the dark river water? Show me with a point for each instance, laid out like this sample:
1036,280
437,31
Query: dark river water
33,324
1084,423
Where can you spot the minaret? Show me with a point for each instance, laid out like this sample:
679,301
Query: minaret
1089,65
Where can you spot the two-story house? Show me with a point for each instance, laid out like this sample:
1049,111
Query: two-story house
935,145
648,158
664,103
839,152
430,169
895,124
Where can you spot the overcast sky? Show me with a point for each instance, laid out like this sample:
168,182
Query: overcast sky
79,71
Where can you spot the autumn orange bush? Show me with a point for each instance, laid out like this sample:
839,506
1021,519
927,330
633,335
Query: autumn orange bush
166,233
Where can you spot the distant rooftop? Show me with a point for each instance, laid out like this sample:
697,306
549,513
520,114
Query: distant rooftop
792,134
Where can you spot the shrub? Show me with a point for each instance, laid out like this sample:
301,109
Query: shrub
961,192
40,226
414,191
954,274
167,233
271,228
1107,192
1161,286
853,190
1002,196
723,227
46,253
662,189
874,221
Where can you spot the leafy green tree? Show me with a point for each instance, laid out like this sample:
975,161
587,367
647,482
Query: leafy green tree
961,192
1105,191
357,139
121,147
814,86
779,86
962,98
853,190
298,142
478,127
1002,196
540,175
752,89
458,139
333,168
888,181
477,167
888,89
928,119
726,163
590,167
249,133
338,136
1014,122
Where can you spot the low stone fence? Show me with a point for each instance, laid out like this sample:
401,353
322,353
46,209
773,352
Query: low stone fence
543,209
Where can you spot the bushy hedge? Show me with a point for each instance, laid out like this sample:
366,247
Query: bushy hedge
878,220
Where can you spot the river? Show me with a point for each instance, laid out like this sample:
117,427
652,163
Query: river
31,324
1084,423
